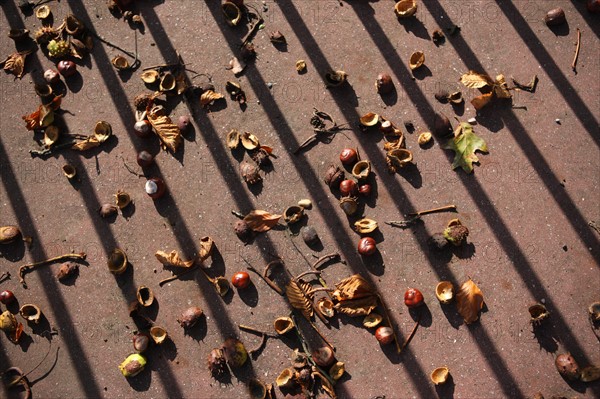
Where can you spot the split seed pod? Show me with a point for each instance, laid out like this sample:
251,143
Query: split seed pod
133,365
257,389
217,364
349,205
283,325
9,234
250,172
424,138
235,352
117,261
249,141
232,13
150,76
335,78
69,171
43,12
158,334
456,233
369,119
365,226
361,170
102,131
325,305
444,291
538,313
190,317
372,320
333,176
31,312
594,311
286,378
122,199
456,97
233,139
73,26
440,375
417,59
398,158
145,296
120,63
337,371
221,285
405,8
168,82
293,214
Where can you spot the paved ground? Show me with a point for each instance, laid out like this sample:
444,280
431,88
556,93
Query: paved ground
527,204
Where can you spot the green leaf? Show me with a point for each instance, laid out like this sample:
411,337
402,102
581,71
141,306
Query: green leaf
464,144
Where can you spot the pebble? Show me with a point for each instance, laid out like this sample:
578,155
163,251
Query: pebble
472,121
557,121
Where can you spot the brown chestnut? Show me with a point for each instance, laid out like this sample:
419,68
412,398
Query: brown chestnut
348,188
567,366
384,83
183,122
367,246
385,335
51,76
142,128
240,280
7,297
66,68
323,356
144,159
364,190
348,156
155,187
413,298
554,17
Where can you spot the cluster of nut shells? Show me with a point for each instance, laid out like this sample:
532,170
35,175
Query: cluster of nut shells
261,155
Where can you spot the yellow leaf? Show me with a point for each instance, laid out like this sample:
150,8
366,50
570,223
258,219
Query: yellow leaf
167,131
173,259
357,307
298,299
261,221
476,80
481,101
353,287
469,301
208,97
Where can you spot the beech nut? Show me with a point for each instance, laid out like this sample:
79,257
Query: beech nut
348,188
413,298
144,159
367,246
155,187
67,68
384,83
385,335
348,156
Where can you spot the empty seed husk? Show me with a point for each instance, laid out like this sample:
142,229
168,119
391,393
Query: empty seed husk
372,320
300,66
233,139
120,63
369,119
122,199
150,76
405,8
145,296
444,291
286,378
69,171
424,138
117,261
232,13
31,312
417,59
440,375
538,313
325,305
158,334
293,214
283,324
365,226
249,141
8,234
361,170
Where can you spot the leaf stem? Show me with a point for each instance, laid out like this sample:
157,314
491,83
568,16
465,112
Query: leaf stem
412,333
5,276
30,266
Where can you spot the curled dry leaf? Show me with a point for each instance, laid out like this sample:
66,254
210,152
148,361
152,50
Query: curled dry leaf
296,294
261,221
481,100
464,144
15,63
43,116
469,301
353,287
209,96
501,87
357,307
102,132
207,246
168,132
173,259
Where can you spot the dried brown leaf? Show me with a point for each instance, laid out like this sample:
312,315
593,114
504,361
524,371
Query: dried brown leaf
469,301
325,384
481,101
94,140
167,131
357,307
501,87
43,116
206,248
15,63
209,96
298,299
173,259
180,83
353,287
261,221
476,80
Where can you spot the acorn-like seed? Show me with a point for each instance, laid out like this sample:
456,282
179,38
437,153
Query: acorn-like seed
144,159
384,83
555,17
190,317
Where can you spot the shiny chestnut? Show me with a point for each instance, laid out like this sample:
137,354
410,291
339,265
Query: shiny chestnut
240,280
66,68
155,187
385,335
7,297
348,188
367,246
364,190
348,156
413,298
144,159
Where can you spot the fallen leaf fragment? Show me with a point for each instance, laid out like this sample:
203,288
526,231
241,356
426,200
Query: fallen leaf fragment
469,301
15,63
482,100
173,259
475,80
501,87
168,132
43,116
357,307
353,287
236,66
209,96
261,221
296,294
464,144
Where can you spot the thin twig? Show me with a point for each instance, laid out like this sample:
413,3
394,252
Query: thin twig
594,226
326,258
264,276
412,333
5,276
315,272
133,172
176,276
52,150
574,63
264,335
445,208
403,224
103,40
252,32
30,266
256,330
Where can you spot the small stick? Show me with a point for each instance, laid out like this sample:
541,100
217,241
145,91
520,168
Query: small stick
412,333
316,272
319,289
176,276
440,209
326,258
594,226
255,330
4,276
133,172
29,267
252,32
263,275
574,63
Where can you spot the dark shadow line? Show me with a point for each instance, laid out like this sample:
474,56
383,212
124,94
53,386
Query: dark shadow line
311,181
590,19
572,99
510,246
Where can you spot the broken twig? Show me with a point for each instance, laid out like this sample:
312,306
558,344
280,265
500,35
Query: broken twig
574,63
30,266
440,209
411,335
5,276
176,276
